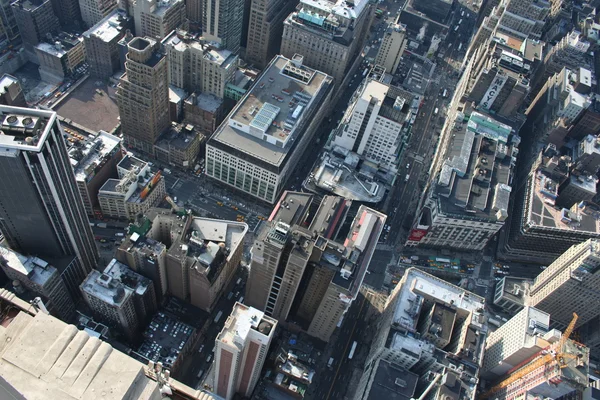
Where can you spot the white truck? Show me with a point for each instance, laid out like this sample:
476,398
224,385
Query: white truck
330,362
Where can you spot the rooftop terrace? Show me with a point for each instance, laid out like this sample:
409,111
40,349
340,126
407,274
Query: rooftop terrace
272,116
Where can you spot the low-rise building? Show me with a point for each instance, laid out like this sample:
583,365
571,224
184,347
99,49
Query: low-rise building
120,297
60,56
101,44
204,111
468,201
292,376
180,146
93,165
262,141
134,192
11,93
41,278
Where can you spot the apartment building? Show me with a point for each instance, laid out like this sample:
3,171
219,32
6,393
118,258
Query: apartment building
59,56
37,180
157,18
102,44
120,297
257,147
222,22
93,165
392,47
143,95
519,339
202,261
94,11
241,350
31,276
423,307
265,29
135,191
196,65
311,266
469,200
329,35
374,129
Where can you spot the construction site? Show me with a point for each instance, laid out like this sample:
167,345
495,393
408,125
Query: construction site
560,369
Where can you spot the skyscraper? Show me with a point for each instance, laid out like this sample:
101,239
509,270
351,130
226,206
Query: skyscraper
41,211
304,268
35,19
570,284
241,350
265,28
392,47
222,22
143,95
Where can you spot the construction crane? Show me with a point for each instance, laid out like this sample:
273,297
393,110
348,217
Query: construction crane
549,357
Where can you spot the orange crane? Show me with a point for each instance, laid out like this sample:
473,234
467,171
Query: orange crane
549,357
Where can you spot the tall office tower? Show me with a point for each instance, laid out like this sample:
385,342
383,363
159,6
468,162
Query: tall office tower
143,95
433,329
39,196
193,10
94,11
524,18
538,231
570,284
222,22
203,259
241,350
558,104
157,18
524,335
68,13
262,140
329,35
11,93
120,297
33,276
35,19
197,66
265,28
571,53
311,275
468,202
375,125
147,257
392,47
93,165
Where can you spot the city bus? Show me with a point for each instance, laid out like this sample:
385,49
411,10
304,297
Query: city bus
352,350
218,317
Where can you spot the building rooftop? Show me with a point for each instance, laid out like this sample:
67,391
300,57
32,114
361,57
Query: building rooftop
243,319
290,208
60,45
28,5
130,163
208,102
24,129
392,382
6,80
516,289
418,285
47,358
34,268
476,177
541,210
182,40
164,339
272,116
109,28
178,136
162,6
116,284
86,161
